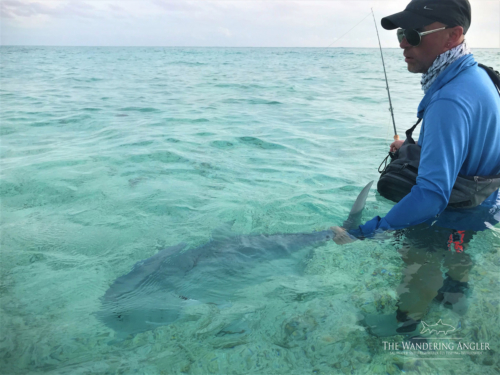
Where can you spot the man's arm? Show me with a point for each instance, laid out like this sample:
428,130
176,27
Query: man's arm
444,150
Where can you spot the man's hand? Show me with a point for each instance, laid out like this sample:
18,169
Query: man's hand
396,145
341,236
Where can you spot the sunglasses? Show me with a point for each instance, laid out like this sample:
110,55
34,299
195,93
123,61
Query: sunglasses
414,37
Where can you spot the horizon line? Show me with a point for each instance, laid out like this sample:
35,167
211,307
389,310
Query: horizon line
159,46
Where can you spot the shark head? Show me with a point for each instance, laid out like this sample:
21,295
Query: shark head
144,314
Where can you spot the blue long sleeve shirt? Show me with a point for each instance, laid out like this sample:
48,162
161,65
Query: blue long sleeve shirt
460,135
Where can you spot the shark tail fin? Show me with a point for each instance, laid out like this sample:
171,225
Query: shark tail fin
354,218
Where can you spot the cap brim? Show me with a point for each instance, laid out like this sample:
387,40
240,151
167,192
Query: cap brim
405,20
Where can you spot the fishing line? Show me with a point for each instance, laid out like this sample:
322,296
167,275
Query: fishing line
391,109
336,40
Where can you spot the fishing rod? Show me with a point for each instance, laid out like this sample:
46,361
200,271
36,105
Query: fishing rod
396,136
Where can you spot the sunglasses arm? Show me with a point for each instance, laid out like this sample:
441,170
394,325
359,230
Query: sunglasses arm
431,31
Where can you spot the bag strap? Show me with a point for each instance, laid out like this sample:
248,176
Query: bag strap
494,75
409,132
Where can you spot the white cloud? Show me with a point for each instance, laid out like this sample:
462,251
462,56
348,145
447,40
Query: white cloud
306,23
18,9
225,31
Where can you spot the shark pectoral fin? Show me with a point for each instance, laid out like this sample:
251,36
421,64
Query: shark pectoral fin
354,219
224,231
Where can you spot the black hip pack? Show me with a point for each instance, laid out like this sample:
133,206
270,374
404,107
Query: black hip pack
400,175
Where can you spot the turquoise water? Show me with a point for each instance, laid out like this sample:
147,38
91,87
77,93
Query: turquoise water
111,154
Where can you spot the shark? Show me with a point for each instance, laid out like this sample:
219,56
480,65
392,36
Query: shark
438,328
157,290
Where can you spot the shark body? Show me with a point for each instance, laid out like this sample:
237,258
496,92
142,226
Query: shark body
157,289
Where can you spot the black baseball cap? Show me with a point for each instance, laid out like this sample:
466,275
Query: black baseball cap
420,13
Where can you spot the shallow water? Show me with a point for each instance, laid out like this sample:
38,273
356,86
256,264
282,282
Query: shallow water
111,154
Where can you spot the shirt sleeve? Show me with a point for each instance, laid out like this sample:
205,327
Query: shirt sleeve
444,149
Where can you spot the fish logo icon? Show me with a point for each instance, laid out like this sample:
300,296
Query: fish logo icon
438,328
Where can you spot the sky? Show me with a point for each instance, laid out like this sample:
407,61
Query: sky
221,23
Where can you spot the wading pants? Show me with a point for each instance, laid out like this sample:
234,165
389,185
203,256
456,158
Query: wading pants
427,252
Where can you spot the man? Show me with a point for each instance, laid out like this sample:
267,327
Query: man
460,134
